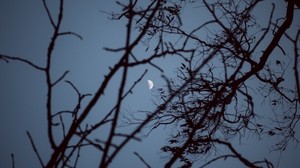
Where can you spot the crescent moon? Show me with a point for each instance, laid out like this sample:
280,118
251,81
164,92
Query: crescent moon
150,84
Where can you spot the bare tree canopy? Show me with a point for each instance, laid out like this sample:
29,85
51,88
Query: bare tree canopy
236,76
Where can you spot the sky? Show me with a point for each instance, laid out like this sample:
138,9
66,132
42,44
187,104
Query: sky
25,32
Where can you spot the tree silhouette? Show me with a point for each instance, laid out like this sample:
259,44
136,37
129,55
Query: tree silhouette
216,99
209,102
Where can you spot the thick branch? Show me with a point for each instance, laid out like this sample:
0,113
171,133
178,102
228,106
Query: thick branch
266,54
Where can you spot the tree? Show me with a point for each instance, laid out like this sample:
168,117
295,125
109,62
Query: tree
216,102
208,103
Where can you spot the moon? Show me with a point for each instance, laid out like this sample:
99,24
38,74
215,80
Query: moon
150,84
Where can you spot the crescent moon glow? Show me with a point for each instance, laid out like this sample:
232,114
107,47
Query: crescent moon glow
150,84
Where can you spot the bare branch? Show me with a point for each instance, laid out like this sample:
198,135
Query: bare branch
142,159
238,155
217,158
35,149
6,58
49,14
60,78
210,100
48,76
296,60
70,33
12,160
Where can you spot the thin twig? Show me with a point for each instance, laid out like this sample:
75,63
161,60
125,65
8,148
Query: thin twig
35,149
238,155
12,160
217,158
6,58
49,14
62,77
77,157
71,33
62,125
74,87
142,159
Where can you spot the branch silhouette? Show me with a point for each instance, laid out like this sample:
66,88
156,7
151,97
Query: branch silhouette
209,101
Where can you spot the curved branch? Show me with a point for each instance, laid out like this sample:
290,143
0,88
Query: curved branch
70,33
238,155
6,58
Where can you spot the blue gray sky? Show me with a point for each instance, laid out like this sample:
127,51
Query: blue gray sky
25,32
